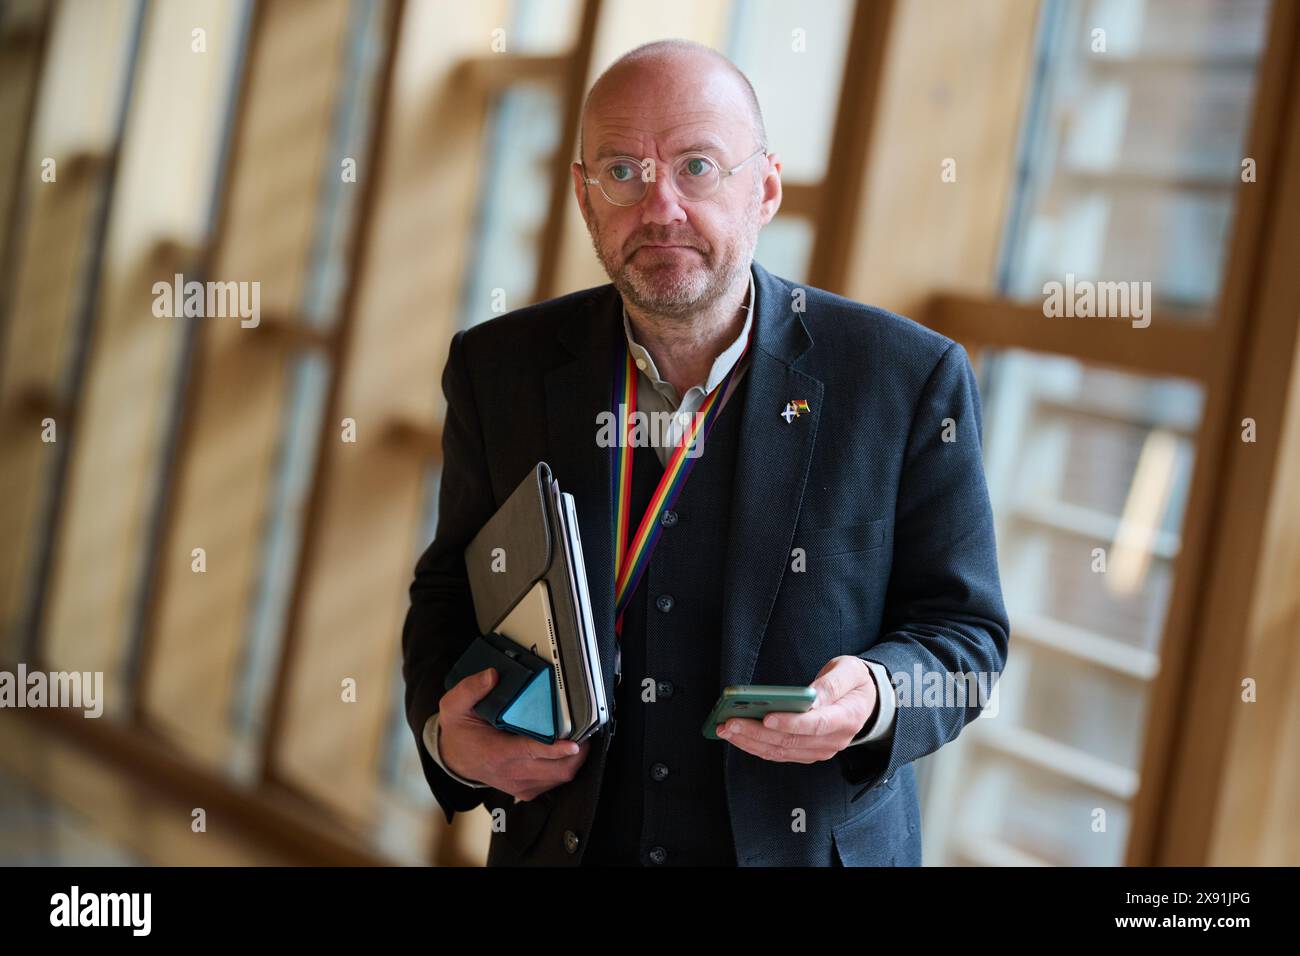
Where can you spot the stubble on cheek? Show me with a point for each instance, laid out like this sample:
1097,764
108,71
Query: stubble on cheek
670,282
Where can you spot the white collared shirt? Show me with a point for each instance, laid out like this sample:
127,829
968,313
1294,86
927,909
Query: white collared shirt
653,394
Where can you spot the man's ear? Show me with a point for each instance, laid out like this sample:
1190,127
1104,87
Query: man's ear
771,201
579,188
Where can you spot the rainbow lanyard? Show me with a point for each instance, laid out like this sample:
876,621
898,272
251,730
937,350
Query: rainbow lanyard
631,558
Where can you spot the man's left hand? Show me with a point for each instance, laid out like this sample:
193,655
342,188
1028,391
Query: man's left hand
846,698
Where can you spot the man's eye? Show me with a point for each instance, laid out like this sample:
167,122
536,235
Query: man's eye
697,166
621,172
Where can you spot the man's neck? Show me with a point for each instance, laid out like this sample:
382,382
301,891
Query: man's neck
684,350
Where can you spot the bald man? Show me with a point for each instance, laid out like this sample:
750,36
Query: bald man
812,514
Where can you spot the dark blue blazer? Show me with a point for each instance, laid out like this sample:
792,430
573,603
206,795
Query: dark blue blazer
881,484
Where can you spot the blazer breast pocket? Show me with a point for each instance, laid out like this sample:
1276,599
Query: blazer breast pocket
818,543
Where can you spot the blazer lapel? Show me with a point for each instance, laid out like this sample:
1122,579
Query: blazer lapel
772,464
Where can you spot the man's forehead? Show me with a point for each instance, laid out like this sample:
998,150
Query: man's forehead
646,107
618,139
620,129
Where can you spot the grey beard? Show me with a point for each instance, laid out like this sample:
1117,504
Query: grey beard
719,279
676,301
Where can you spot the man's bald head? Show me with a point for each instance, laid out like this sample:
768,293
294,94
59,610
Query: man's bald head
674,55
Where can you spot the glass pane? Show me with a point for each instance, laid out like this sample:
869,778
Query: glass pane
1088,471
1133,149
306,388
34,831
785,247
523,137
1074,702
168,177
1035,817
539,27
794,56
47,272
1130,159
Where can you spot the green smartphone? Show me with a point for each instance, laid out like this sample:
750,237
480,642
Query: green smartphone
756,701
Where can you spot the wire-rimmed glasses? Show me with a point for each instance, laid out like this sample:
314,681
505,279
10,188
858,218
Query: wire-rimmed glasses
695,176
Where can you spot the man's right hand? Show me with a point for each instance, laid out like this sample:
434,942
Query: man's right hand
512,763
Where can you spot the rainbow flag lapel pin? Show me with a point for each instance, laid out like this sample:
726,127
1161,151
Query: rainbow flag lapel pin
794,409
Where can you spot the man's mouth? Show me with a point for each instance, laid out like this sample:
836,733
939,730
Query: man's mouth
664,247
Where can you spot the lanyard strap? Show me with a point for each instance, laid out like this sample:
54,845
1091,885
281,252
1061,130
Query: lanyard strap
632,557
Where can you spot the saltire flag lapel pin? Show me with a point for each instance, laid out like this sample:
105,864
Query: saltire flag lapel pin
794,409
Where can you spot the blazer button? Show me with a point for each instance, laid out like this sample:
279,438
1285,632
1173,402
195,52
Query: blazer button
659,772
668,518
664,602
658,854
665,688
571,841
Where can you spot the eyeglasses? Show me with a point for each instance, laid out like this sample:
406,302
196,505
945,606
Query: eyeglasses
623,179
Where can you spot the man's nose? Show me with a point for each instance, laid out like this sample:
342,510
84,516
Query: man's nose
661,204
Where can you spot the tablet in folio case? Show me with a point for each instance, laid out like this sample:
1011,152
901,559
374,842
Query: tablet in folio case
529,584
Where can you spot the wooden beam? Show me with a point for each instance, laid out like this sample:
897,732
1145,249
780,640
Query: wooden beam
233,407
928,199
288,333
1238,605
50,333
856,119
119,465
21,71
1179,343
289,757
803,200
278,820
1145,180
495,72
575,81
414,438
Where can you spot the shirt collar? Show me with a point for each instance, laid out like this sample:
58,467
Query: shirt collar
721,365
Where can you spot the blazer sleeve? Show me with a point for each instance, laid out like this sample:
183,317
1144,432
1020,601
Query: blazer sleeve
944,610
440,622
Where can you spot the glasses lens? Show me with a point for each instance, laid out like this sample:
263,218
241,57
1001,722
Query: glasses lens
696,176
621,180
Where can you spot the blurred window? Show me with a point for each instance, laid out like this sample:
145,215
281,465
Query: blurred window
1130,161
794,56
307,386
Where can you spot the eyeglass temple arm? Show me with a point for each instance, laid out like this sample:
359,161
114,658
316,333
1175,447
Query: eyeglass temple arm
761,151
